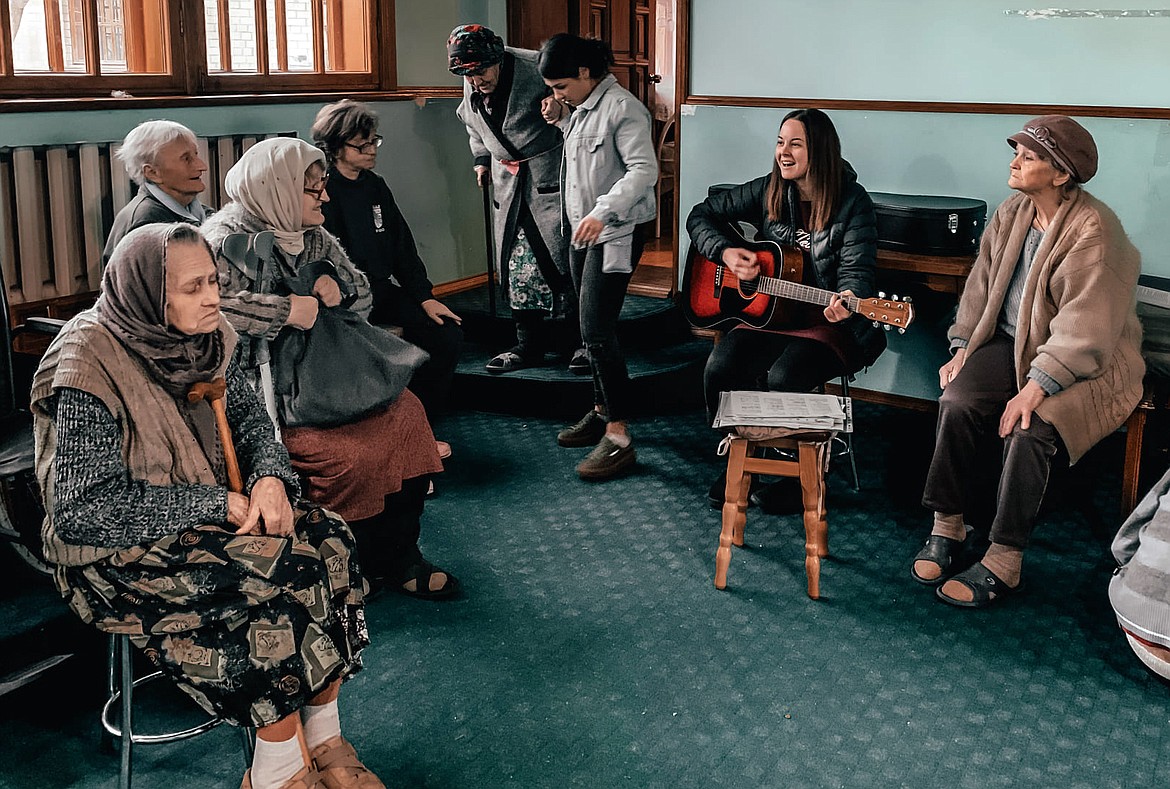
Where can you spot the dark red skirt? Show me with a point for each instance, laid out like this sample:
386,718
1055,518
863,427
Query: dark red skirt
351,469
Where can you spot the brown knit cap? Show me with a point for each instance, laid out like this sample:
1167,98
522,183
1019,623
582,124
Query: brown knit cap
1063,140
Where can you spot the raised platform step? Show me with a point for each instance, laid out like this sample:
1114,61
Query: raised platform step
645,322
665,361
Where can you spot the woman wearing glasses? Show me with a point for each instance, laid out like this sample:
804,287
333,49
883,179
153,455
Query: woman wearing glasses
362,214
374,470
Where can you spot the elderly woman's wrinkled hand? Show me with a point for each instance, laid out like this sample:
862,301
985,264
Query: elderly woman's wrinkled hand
302,312
551,109
948,371
1020,408
269,510
327,290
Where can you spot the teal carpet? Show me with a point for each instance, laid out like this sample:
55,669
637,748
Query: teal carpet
591,648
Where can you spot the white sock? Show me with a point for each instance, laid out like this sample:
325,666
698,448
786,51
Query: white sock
321,723
275,763
619,439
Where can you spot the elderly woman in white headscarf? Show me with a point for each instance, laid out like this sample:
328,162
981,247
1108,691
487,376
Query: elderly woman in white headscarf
374,471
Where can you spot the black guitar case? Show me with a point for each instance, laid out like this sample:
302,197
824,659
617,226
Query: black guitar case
929,224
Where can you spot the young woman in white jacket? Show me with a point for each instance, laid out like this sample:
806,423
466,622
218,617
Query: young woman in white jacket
608,174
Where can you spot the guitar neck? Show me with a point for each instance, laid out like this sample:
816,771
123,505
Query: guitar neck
774,286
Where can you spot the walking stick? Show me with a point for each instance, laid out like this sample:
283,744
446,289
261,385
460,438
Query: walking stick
491,252
212,392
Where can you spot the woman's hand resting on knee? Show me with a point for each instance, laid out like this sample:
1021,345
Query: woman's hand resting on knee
948,371
266,511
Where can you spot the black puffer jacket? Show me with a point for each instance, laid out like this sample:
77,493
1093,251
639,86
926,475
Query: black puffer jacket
844,255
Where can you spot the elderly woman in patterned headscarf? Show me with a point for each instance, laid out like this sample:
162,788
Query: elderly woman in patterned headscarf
504,98
375,470
228,593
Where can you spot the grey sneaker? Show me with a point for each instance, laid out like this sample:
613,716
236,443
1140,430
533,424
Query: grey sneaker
606,460
587,432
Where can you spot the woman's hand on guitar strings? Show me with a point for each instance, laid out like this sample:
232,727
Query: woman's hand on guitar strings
742,262
837,311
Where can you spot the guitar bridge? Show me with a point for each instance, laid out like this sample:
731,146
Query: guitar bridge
718,284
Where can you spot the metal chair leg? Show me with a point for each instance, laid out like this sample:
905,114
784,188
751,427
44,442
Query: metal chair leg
248,742
848,438
123,646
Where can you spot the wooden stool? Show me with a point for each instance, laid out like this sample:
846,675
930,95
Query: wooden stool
812,452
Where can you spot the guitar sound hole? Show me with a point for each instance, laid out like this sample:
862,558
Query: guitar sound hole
748,287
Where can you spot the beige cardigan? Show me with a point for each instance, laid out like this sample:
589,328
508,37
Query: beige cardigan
157,445
1077,321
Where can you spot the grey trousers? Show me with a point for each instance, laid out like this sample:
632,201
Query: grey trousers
968,421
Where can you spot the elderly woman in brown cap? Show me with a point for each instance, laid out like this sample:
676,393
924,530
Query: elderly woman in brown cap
1046,357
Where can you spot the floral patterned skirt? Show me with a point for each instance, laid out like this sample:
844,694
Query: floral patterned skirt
251,627
527,287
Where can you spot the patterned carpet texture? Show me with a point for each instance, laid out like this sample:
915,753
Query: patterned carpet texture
591,648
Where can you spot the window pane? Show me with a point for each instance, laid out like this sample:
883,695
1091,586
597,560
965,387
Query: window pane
132,36
293,18
47,35
230,27
347,36
211,25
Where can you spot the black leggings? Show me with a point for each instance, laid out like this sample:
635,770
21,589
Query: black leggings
600,296
746,359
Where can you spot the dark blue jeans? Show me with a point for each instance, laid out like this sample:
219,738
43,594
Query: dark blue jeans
600,297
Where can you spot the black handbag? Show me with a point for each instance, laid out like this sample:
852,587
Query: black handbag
340,370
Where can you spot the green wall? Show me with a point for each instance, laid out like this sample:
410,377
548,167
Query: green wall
928,51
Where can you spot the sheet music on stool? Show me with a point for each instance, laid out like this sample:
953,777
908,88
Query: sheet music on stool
785,409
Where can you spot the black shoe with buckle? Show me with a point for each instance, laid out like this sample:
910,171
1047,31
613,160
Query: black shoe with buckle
587,432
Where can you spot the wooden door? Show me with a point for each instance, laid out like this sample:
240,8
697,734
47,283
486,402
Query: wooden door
628,26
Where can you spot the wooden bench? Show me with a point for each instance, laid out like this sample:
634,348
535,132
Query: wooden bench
1155,398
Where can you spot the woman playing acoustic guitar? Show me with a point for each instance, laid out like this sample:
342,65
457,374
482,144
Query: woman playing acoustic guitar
811,201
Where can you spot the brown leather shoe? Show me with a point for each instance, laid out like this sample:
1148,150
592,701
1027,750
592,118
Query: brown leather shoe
307,778
340,768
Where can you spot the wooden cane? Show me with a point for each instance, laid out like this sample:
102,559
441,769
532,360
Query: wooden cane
212,392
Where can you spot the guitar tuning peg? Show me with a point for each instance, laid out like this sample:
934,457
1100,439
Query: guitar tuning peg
881,294
907,299
876,324
886,327
894,297
901,331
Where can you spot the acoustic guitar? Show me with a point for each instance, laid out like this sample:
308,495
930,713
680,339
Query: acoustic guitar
713,297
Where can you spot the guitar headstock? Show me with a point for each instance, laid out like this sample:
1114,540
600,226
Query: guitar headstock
887,312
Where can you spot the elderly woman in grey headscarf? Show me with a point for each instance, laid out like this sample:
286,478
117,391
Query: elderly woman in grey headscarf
253,608
375,470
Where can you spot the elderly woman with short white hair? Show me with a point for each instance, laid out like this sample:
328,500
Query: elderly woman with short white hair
162,157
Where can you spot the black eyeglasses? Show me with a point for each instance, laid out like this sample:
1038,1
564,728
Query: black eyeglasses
319,190
367,147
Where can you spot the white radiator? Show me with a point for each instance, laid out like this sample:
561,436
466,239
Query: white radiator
57,204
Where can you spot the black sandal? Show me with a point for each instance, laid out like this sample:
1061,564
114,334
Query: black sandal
986,587
420,572
940,550
506,362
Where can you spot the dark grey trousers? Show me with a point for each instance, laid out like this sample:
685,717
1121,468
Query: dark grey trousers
968,423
